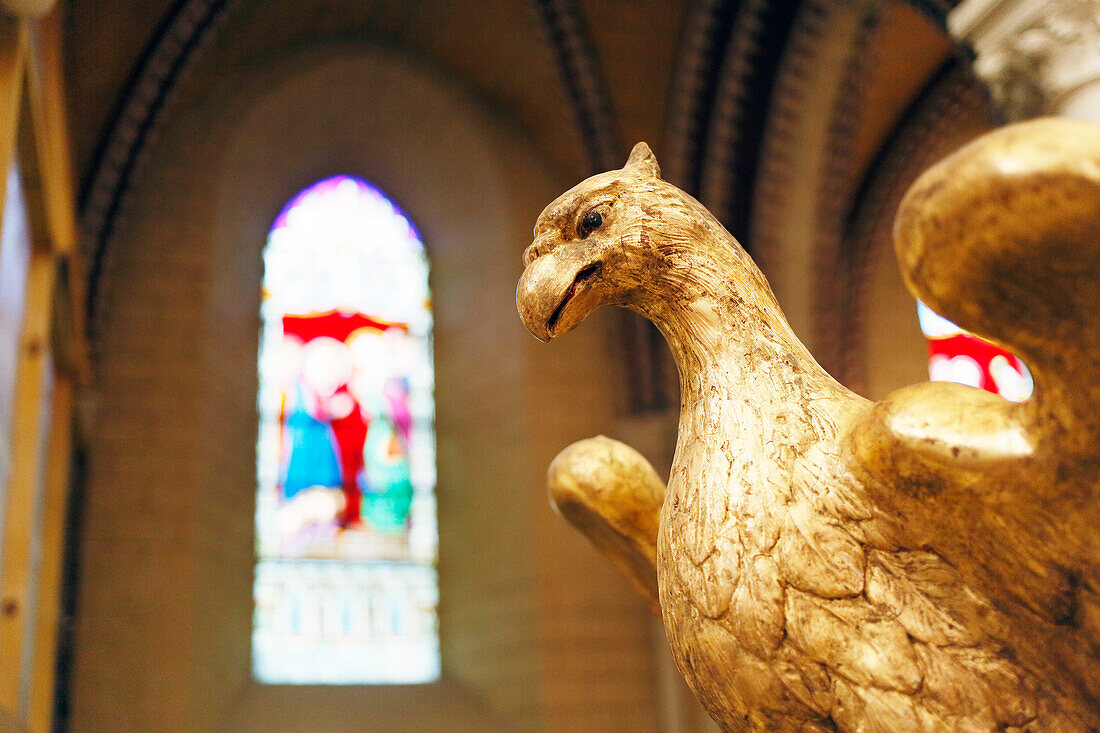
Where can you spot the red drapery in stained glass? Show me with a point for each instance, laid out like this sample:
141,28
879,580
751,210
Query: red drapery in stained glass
341,417
956,355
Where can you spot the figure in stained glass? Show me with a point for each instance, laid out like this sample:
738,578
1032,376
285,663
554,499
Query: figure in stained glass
345,515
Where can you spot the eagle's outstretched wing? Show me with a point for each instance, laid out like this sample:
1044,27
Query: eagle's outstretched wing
1003,237
608,491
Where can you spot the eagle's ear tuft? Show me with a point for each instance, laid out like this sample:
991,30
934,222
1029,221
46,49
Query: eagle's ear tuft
641,156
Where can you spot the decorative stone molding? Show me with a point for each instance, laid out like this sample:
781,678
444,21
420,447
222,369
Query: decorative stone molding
736,129
582,80
794,161
644,362
1037,57
706,33
183,35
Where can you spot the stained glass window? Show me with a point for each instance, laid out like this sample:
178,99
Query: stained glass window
956,355
345,589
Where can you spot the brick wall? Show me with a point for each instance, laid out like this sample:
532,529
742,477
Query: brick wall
538,633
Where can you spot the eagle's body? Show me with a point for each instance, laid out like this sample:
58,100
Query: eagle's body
805,583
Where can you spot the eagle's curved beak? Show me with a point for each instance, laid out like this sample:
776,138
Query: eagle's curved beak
558,290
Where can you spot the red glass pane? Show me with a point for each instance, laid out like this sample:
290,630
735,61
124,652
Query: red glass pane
956,355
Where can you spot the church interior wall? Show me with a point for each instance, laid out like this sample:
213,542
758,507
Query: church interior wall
178,360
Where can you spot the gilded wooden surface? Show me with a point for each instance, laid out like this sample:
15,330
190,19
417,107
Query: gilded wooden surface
925,563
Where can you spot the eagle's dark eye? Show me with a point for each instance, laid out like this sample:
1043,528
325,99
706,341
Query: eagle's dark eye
592,220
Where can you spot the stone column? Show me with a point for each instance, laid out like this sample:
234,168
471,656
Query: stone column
1037,57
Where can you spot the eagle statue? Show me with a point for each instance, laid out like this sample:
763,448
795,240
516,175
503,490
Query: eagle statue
823,563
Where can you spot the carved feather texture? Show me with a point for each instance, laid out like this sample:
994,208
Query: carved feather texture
926,597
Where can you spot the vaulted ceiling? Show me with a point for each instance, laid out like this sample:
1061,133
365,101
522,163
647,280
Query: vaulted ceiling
502,49
584,79
752,105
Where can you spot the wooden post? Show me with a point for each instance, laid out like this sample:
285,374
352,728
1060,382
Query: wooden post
13,48
57,480
34,369
46,104
13,53
48,184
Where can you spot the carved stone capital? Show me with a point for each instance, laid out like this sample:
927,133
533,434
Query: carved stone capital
1036,57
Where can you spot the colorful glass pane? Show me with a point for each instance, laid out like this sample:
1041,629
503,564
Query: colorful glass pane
346,535
956,355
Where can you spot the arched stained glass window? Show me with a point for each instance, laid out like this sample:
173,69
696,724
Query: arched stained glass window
956,355
345,589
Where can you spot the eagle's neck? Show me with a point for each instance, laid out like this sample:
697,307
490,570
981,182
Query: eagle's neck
725,328
754,402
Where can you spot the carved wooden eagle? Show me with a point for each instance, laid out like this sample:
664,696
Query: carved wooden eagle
925,563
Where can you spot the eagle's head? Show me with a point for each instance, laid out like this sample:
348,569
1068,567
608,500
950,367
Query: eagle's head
593,247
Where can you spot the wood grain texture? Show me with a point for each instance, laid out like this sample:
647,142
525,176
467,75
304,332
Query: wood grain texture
925,563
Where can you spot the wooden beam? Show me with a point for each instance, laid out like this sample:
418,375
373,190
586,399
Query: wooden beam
13,55
71,350
48,607
28,425
46,104
48,180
